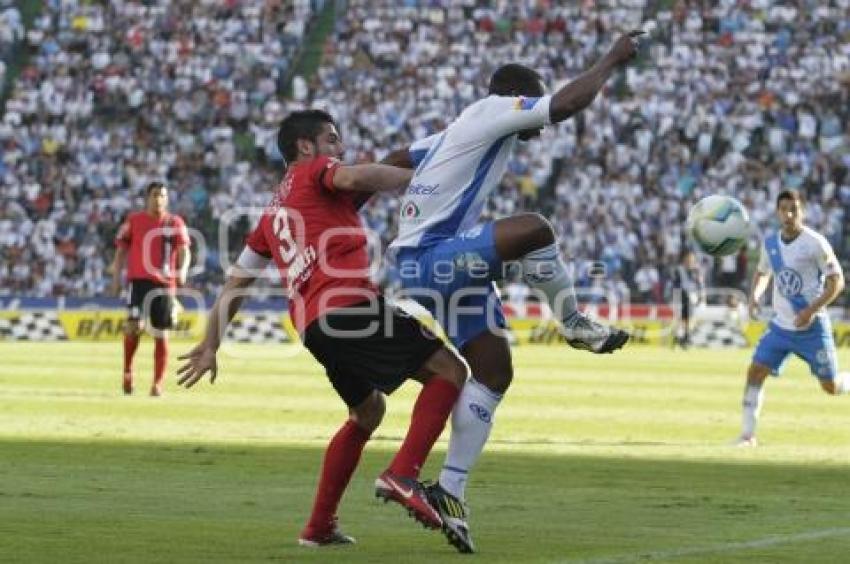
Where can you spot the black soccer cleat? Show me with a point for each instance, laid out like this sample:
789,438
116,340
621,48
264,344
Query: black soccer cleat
584,333
454,514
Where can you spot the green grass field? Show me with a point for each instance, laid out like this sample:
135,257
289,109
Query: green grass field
593,459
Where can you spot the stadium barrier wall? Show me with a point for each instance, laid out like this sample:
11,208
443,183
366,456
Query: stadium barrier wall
649,325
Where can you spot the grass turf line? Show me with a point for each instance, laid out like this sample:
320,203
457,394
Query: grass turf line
592,459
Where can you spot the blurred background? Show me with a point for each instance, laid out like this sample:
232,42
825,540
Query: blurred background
743,97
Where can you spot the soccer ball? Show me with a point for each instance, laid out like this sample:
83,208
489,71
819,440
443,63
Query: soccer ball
719,225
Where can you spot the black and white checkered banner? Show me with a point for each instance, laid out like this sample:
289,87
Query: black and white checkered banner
717,334
33,326
257,328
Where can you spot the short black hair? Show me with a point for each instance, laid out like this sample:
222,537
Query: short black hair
514,79
304,124
155,185
790,194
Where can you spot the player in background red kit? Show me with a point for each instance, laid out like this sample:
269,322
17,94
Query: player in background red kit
313,234
155,246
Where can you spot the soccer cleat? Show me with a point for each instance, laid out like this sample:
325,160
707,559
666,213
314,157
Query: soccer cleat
156,390
454,514
583,333
333,537
746,442
127,383
409,493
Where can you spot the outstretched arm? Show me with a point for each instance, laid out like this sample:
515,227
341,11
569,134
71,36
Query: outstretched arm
400,158
757,288
578,94
201,359
371,178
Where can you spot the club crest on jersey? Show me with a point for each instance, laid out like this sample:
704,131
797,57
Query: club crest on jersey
789,282
410,210
523,103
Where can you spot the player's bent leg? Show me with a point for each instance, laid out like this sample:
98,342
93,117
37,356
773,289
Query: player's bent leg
489,359
838,386
370,412
752,403
341,459
829,387
132,331
516,236
442,375
529,239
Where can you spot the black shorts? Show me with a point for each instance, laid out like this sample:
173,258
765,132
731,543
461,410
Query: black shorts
369,348
159,306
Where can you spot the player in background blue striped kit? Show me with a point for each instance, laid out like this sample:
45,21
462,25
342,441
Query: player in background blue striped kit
806,279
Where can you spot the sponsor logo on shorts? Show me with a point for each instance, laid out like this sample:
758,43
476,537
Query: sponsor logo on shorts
480,412
469,261
472,233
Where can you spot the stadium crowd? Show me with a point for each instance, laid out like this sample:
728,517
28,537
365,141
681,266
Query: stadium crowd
739,97
117,94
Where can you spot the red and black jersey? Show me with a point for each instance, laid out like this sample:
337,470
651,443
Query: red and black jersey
317,241
152,243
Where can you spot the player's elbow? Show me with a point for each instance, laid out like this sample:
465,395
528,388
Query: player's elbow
356,178
348,178
566,107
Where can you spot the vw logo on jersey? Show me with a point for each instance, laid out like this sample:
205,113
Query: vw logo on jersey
480,412
789,282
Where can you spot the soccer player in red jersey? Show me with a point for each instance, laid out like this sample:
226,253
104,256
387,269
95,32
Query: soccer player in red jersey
313,234
155,246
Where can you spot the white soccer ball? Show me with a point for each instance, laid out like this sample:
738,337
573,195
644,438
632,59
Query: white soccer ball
719,225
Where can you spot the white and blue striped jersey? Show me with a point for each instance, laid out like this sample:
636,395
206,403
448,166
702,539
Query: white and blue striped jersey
798,270
458,168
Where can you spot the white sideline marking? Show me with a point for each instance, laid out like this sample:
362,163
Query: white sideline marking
716,548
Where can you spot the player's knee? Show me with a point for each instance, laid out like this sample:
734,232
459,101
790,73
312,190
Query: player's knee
449,366
497,380
829,387
369,414
540,232
757,374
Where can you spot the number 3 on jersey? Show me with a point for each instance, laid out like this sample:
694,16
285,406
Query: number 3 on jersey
280,226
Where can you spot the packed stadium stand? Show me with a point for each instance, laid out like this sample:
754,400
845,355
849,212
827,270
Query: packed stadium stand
744,98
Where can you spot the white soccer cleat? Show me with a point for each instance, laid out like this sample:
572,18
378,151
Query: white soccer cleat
584,333
746,442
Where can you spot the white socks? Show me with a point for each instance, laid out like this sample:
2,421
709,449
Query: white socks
842,383
472,419
543,270
753,399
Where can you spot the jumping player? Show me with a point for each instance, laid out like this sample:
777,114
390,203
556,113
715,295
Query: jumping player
448,261
806,279
155,245
313,234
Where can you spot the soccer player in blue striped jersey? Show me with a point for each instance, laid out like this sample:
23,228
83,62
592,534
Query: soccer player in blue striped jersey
806,279
448,260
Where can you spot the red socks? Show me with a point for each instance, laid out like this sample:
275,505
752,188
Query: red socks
160,359
131,343
341,458
432,409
